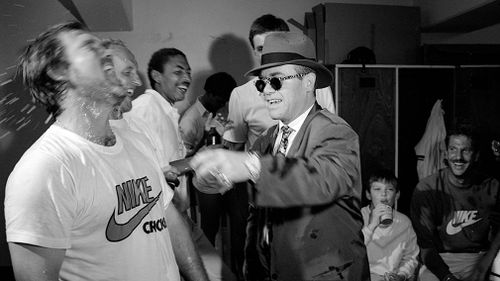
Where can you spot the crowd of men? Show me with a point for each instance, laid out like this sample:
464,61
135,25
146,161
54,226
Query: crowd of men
96,196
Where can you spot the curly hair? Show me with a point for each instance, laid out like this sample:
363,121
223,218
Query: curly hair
46,52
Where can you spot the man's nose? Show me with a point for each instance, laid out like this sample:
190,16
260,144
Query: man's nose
187,77
268,89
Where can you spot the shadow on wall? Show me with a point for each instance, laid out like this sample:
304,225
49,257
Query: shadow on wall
231,54
198,84
227,53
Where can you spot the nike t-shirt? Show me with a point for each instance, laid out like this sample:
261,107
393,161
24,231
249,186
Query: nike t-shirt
454,218
104,205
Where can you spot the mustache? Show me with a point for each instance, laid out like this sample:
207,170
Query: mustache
185,83
458,161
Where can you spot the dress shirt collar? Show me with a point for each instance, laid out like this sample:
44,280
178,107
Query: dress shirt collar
164,104
297,123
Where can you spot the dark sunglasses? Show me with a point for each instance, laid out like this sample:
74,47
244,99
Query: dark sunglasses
275,82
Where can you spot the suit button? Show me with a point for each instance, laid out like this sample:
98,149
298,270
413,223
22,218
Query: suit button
274,276
313,234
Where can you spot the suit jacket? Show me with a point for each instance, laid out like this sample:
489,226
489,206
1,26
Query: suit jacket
311,201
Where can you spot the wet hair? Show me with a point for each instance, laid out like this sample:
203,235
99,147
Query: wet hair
464,129
159,59
46,53
266,23
115,44
383,175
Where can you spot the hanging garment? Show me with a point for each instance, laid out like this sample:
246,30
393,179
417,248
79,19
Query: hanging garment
430,149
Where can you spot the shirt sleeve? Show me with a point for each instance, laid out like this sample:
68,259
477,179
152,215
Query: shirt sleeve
238,132
423,216
367,233
189,133
330,164
409,261
40,202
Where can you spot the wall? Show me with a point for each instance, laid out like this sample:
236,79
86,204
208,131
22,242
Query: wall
213,34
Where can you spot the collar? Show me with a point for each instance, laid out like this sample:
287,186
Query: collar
161,100
297,122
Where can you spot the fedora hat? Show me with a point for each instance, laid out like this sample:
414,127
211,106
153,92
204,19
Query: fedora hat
292,48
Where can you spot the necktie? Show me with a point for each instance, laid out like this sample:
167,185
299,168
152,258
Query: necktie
266,231
286,131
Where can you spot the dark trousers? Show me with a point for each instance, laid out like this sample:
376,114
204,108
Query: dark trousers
234,203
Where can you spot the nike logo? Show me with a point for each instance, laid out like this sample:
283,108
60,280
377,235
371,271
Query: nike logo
460,220
116,231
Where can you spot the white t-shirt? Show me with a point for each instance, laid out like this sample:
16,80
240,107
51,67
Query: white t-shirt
249,114
104,205
162,120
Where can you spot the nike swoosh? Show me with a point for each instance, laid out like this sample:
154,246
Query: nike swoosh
116,231
452,230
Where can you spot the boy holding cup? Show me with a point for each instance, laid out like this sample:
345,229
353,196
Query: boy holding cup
390,240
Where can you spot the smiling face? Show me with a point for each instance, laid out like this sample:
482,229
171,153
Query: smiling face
382,192
90,70
460,155
174,82
293,98
126,72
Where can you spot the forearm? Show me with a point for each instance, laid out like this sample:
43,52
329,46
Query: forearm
490,255
435,263
35,263
188,259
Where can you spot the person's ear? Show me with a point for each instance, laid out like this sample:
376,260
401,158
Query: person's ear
368,195
397,196
310,80
58,73
156,76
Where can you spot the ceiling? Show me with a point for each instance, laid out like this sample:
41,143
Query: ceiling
479,17
102,15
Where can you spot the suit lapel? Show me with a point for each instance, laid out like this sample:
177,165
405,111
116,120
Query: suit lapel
300,134
271,139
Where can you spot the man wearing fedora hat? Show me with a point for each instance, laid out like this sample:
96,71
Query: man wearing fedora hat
305,173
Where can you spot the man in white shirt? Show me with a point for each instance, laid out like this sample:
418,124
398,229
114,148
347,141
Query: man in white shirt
88,201
169,75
